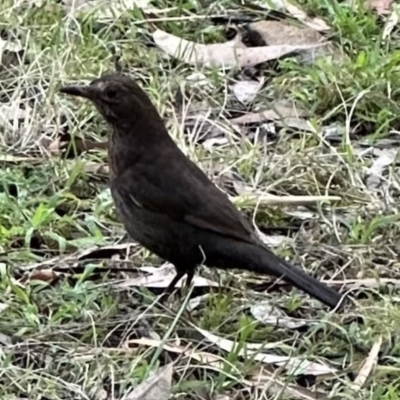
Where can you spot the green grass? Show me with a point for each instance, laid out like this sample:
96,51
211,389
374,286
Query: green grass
67,338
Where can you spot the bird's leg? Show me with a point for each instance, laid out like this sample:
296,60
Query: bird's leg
179,274
189,277
168,291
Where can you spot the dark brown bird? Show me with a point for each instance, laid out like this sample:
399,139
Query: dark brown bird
168,204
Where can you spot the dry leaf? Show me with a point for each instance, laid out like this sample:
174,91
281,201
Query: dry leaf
391,21
54,146
273,240
73,146
105,252
294,365
102,394
277,33
7,45
246,91
44,275
382,7
221,54
283,116
161,278
375,171
269,314
12,114
208,359
96,168
296,12
196,301
11,54
5,339
314,23
3,307
278,387
156,387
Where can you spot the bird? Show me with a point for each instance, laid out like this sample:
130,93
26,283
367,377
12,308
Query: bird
168,204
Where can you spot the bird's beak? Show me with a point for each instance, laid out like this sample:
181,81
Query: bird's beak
82,91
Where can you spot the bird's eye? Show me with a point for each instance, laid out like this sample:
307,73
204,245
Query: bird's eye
111,93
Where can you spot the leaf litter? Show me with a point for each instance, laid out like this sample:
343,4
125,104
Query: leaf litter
269,314
224,55
281,33
296,12
374,173
248,98
294,365
156,387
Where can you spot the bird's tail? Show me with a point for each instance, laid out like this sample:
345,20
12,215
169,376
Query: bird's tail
275,265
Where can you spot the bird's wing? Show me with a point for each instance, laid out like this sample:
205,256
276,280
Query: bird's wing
182,191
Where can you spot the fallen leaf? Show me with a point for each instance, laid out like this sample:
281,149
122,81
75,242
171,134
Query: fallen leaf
302,214
5,340
273,240
156,387
161,278
44,275
283,116
285,6
269,314
73,146
196,301
210,143
54,147
295,365
375,171
98,252
224,55
12,114
96,168
102,394
277,33
278,387
315,23
212,360
10,45
382,7
246,91
391,21
3,307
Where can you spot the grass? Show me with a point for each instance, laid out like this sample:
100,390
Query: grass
65,332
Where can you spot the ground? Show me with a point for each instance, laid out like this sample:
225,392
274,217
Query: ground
73,322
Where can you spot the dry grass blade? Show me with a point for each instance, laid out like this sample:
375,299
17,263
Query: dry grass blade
278,387
372,283
368,365
294,365
282,200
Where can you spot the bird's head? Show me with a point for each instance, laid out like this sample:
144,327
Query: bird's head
117,97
